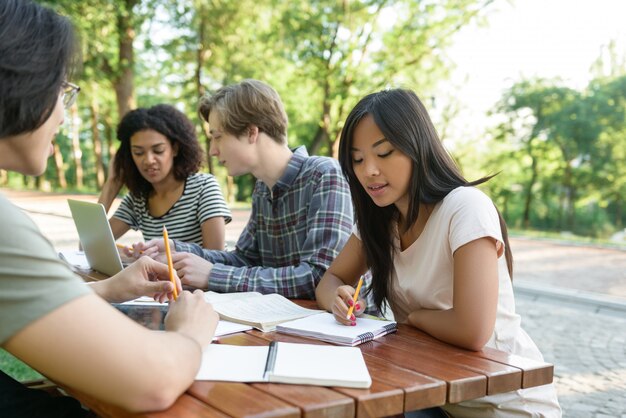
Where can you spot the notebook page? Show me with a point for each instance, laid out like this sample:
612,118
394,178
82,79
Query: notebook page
324,326
320,364
233,363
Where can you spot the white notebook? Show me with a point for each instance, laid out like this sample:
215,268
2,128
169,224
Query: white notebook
324,327
303,364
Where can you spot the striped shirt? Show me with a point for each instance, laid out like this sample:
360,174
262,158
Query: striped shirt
202,199
295,231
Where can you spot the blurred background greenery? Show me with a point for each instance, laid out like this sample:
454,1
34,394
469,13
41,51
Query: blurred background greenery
560,151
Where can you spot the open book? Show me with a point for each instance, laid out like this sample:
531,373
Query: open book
263,312
324,327
303,364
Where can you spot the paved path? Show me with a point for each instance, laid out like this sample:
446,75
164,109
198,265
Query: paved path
581,333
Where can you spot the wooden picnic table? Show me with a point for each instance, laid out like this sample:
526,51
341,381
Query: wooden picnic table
410,370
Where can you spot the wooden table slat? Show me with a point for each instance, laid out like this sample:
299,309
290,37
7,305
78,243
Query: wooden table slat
242,400
186,406
319,403
534,373
500,377
462,384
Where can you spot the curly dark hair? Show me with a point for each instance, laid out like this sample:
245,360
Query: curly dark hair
38,51
171,123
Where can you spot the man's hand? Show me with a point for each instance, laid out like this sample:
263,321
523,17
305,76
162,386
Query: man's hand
145,277
192,316
193,270
155,248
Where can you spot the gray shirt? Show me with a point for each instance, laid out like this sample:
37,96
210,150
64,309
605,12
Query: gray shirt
33,281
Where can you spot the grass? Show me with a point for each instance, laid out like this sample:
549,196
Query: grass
15,368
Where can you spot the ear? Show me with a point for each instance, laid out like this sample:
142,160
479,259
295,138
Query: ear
253,134
175,150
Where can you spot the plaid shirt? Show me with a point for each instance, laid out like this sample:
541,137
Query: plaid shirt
295,231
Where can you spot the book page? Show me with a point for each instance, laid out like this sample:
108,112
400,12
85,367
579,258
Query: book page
266,310
215,297
227,327
323,365
233,363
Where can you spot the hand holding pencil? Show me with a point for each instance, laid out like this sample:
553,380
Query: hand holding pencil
347,304
170,265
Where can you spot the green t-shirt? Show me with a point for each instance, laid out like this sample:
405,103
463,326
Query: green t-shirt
33,281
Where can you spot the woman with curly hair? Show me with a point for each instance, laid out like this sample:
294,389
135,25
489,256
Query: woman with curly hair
158,161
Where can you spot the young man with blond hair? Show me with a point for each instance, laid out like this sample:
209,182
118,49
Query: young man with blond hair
301,209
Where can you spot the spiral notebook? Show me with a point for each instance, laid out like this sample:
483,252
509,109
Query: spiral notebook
324,327
280,362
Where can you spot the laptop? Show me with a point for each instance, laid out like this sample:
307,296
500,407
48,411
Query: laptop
95,236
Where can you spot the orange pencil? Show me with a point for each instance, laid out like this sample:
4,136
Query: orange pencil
355,298
170,265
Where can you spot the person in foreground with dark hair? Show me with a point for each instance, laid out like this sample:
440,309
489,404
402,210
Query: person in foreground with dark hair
51,320
436,245
158,161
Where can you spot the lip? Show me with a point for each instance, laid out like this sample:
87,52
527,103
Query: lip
151,172
376,189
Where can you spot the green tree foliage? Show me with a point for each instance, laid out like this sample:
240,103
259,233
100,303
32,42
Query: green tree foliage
570,148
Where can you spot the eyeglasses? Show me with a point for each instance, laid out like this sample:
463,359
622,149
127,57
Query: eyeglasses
70,91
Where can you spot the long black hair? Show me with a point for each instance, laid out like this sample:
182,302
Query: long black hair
37,52
405,123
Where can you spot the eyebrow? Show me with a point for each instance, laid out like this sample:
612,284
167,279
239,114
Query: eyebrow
377,143
151,146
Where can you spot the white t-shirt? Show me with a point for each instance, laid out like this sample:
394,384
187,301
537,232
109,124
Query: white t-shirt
423,276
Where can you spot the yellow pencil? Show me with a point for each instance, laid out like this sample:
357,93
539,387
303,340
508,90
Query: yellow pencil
170,265
355,298
125,247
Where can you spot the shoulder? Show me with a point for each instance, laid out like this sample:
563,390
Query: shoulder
201,179
12,217
467,198
321,165
200,182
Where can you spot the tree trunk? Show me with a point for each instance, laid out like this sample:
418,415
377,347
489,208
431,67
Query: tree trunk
202,52
77,153
109,134
322,134
618,212
97,140
529,193
124,84
58,166
568,206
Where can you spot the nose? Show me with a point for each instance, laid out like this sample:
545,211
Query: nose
213,151
149,157
371,168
